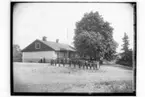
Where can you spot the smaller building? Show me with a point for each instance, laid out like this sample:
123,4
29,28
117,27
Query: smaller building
43,49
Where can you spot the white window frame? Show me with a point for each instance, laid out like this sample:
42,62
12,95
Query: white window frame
36,46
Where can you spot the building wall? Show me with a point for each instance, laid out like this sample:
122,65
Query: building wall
37,56
62,54
66,54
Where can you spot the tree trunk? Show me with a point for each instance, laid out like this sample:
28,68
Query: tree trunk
97,61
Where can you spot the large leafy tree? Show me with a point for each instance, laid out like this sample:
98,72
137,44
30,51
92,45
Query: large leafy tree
94,37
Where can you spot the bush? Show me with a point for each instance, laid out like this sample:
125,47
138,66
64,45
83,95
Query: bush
126,58
125,63
17,59
17,54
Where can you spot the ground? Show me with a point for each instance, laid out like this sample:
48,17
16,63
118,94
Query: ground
38,77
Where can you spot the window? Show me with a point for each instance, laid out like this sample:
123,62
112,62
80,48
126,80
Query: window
37,45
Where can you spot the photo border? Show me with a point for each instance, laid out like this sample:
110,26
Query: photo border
12,3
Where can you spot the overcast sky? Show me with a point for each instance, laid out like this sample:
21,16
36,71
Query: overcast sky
54,20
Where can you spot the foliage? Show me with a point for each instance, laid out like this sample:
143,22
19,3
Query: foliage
127,54
126,58
94,37
17,55
125,43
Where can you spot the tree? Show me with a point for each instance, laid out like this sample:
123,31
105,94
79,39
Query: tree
94,37
125,48
17,55
126,58
125,43
127,54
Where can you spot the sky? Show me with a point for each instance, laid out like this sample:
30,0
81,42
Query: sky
32,21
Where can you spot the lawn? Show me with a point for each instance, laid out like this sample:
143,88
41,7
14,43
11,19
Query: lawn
36,77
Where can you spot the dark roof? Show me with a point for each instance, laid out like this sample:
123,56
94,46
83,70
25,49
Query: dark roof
58,46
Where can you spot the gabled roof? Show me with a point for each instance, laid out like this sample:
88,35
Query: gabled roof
58,46
48,46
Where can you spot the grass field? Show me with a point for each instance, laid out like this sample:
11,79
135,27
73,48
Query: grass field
36,77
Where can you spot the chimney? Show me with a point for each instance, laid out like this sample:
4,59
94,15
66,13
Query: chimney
44,38
57,40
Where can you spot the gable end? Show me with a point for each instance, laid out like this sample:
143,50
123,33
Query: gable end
37,46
